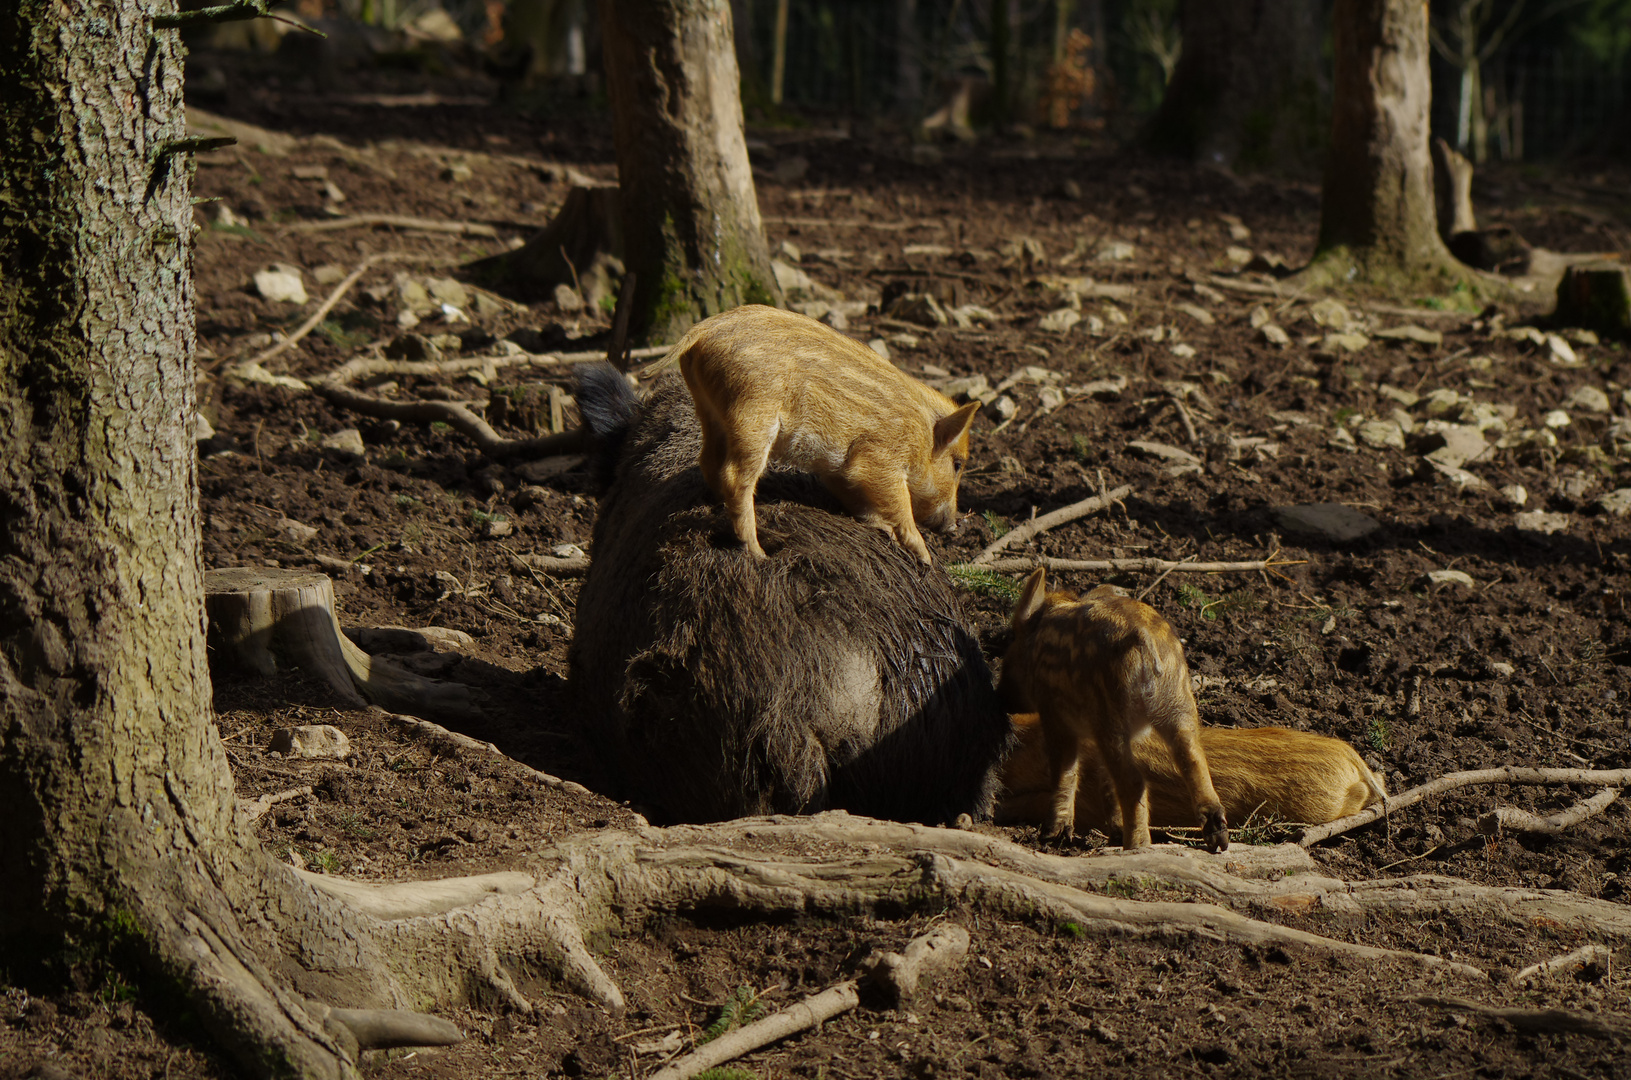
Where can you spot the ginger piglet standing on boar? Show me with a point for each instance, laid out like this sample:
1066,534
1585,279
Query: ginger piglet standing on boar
1270,772
773,384
1109,669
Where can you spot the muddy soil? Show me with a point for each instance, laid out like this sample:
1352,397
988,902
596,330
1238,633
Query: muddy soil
1521,660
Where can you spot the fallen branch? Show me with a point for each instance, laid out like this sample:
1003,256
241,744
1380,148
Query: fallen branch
551,564
1506,774
1047,521
395,221
457,416
1557,1021
1511,819
434,731
325,307
1574,961
926,958
810,1012
255,809
1137,566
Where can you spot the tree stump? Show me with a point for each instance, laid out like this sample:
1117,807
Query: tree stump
581,247
264,620
1596,296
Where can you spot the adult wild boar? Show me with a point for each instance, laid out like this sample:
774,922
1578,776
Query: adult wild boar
836,674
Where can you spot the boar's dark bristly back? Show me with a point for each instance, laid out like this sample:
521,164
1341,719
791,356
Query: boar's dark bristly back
608,406
836,674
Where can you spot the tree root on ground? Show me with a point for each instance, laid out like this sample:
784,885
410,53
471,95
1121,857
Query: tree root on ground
1557,1021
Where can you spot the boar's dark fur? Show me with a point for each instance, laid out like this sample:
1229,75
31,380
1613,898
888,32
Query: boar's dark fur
836,674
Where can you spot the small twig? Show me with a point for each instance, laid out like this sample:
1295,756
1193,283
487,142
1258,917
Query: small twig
1549,1020
1047,521
1574,961
1151,586
551,564
1511,819
457,416
808,1013
395,221
1136,566
1184,417
326,306
255,809
1506,774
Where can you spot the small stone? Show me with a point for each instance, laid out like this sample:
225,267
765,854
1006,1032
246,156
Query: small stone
1049,398
412,295
1344,342
1616,502
1556,419
1342,439
1561,352
1274,335
457,173
1539,521
311,742
1101,389
1059,321
1453,476
201,428
497,529
1183,351
1451,444
1393,393
905,341
1259,317
1239,232
1238,256
447,291
1440,402
1450,577
919,308
935,371
1196,312
1001,409
294,532
1113,314
1410,332
1116,251
1382,434
1515,494
567,551
328,274
968,388
879,346
790,251
345,441
1502,669
1163,452
795,283
1587,398
281,284
1333,314
836,319
1327,521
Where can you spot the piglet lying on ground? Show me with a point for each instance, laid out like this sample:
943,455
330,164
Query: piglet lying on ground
1259,773
836,675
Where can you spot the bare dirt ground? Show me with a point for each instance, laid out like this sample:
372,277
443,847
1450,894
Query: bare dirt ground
1522,662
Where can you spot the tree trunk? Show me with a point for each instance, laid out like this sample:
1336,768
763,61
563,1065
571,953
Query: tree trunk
691,229
1377,216
1246,90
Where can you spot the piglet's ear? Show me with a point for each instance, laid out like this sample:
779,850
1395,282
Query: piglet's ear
948,429
1031,597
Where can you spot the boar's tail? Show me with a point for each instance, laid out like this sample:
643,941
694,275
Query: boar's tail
608,406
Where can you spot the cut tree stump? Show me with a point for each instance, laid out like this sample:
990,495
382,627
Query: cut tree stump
1596,296
264,620
581,247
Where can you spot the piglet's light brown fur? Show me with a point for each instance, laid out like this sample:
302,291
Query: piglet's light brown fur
1275,773
773,384
1107,669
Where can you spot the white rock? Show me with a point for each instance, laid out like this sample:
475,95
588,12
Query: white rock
1555,419
1539,521
1001,409
1196,312
201,428
1331,313
1450,577
1504,670
1116,251
795,283
1344,342
1452,444
1342,439
1049,398
445,290
1616,502
1561,351
295,532
1516,494
1393,393
345,441
1237,255
1587,398
281,284
1382,434
1411,332
1455,477
567,551
1103,389
1440,402
879,346
1114,315
312,742
1059,321
968,388
1274,335
1183,352
790,251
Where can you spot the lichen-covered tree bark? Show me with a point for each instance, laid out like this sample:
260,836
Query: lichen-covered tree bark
1246,91
691,229
1378,222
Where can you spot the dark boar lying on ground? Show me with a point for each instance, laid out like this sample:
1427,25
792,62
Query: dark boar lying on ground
834,674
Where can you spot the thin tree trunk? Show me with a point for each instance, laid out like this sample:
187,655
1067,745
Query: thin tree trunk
691,228
1377,215
1247,87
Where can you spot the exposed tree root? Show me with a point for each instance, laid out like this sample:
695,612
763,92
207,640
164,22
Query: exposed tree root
1149,566
1511,819
1557,1021
334,297
457,416
1507,774
437,733
1574,961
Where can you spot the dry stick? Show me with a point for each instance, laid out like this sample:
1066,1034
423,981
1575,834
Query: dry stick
1549,1020
552,564
326,306
1574,961
813,1010
255,809
395,221
1151,586
1512,819
364,367
1188,422
1048,521
457,416
1506,774
1139,566
428,729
